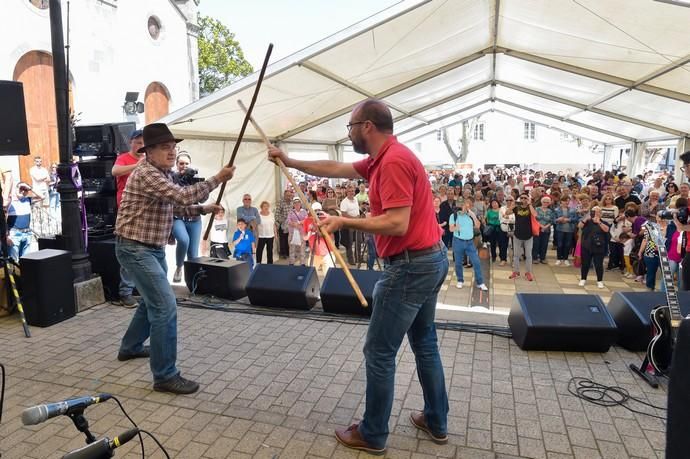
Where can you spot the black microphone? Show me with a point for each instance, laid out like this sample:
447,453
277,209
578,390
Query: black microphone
40,413
102,448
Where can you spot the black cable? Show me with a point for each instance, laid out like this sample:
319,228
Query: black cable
141,439
211,302
2,391
602,395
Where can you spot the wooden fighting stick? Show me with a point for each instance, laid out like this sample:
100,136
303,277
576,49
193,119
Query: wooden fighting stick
241,134
305,202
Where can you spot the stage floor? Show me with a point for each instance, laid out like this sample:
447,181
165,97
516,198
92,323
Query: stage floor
274,386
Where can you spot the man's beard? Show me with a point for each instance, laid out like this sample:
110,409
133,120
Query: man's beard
359,147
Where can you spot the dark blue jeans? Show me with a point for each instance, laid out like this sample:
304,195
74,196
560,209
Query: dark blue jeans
461,248
405,303
371,252
188,235
541,245
156,315
564,241
652,265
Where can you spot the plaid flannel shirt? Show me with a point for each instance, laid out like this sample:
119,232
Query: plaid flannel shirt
146,211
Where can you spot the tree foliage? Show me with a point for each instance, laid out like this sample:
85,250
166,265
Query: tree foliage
221,60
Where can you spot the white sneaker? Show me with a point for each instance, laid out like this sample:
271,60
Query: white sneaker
566,262
600,284
482,287
458,285
177,277
582,283
558,262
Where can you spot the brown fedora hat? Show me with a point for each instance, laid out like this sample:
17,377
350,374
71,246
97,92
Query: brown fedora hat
157,133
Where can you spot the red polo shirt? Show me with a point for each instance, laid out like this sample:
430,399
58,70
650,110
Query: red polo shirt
125,159
397,179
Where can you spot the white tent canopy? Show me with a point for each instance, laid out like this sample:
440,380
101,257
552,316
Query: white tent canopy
614,71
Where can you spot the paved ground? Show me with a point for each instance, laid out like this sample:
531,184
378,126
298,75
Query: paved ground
276,386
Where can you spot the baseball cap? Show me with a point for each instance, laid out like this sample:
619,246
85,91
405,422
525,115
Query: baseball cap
136,133
316,206
296,198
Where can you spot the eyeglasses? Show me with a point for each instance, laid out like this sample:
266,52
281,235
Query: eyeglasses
349,125
247,199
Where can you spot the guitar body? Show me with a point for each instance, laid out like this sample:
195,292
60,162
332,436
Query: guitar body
660,349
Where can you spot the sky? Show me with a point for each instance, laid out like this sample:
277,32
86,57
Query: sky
289,25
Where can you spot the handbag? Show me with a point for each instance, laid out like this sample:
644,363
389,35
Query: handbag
296,238
536,229
489,231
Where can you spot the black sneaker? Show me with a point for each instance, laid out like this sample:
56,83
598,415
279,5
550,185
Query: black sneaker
142,354
177,385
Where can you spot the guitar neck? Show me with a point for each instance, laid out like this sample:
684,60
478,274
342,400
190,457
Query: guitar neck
666,275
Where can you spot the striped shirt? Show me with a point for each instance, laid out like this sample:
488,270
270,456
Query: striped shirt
146,212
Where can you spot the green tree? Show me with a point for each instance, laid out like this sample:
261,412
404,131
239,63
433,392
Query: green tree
221,60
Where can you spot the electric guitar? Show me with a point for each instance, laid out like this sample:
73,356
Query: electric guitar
665,318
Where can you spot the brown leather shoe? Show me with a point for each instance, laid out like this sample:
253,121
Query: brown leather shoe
350,437
419,422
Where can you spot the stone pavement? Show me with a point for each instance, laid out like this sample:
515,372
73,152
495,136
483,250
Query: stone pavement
276,387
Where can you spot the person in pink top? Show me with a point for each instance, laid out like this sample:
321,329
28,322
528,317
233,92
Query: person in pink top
416,264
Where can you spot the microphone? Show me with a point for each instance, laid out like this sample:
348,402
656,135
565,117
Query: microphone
102,448
37,414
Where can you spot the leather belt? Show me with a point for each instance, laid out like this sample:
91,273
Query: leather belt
125,239
410,254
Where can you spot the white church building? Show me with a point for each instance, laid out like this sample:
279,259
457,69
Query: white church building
145,48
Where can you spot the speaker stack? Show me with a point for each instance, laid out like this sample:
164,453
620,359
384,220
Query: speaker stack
556,322
279,286
48,293
14,139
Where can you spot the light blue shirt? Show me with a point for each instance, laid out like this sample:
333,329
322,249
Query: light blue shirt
465,228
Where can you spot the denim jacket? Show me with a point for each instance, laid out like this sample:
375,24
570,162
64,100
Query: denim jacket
570,213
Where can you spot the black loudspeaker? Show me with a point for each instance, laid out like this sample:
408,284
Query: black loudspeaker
105,264
48,293
338,297
678,415
280,286
218,277
14,139
556,322
631,312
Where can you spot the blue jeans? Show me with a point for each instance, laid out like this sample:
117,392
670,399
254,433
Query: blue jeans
563,242
21,240
245,257
405,303
54,197
652,264
541,245
460,248
126,283
156,315
187,235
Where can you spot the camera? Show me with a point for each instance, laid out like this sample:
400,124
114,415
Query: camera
681,214
187,177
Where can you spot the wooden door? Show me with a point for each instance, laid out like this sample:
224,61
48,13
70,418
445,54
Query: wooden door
35,71
156,102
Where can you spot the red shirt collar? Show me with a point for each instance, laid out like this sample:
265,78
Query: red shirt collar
390,141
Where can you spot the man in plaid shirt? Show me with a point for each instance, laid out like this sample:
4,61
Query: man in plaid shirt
144,222
281,214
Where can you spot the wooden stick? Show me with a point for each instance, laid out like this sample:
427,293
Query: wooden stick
326,236
241,134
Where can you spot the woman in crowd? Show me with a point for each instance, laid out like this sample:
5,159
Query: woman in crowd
445,211
186,230
496,236
267,232
672,193
296,242
565,219
592,245
545,218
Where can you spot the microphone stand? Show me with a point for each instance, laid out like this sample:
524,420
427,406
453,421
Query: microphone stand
82,425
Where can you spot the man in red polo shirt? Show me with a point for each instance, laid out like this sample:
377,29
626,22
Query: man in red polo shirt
416,263
122,169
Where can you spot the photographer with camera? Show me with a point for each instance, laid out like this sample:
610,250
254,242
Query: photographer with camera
593,245
186,230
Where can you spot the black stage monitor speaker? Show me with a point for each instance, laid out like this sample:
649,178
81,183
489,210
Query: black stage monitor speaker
105,264
218,277
556,322
280,286
14,139
48,291
631,312
338,297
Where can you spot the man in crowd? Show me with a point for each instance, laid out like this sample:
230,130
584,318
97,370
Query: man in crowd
144,224
625,196
40,178
349,208
281,215
19,221
522,235
123,167
249,214
416,263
